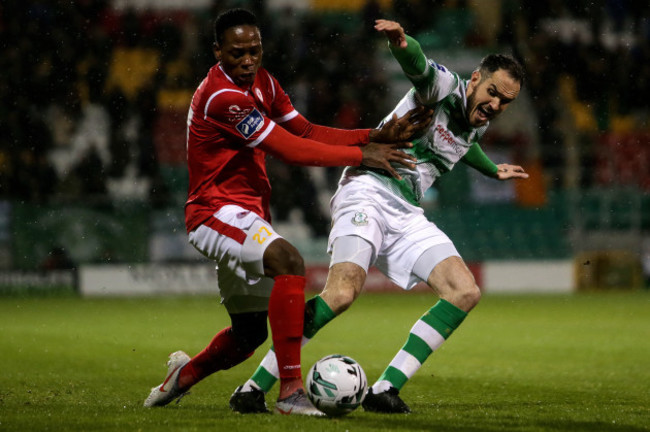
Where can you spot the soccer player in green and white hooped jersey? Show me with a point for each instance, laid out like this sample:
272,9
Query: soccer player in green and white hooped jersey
377,220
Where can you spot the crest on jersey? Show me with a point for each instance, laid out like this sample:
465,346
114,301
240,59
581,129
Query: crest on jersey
258,92
236,113
360,218
250,124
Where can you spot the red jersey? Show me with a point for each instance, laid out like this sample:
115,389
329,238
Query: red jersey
226,125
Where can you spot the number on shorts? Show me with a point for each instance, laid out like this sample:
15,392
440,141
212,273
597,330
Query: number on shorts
262,235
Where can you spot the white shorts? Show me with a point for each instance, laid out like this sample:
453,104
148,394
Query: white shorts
236,238
398,231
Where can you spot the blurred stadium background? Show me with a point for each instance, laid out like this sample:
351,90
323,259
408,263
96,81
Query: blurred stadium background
95,96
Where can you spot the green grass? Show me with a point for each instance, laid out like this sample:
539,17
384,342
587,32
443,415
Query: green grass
518,363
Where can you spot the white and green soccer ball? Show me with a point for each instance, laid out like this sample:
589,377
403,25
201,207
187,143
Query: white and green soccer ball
336,385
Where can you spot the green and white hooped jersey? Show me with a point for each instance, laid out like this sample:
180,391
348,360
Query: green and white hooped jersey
441,146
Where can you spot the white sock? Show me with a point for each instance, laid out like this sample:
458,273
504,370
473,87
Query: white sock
249,386
381,386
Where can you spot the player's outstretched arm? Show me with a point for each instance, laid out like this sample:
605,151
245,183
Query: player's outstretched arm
300,151
403,128
477,159
393,131
295,150
405,49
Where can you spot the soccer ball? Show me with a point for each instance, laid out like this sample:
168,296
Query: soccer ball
336,385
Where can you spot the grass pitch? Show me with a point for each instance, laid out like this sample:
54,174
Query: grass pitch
518,363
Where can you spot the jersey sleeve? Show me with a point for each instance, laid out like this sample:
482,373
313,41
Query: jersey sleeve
302,151
302,127
477,159
432,81
237,118
282,109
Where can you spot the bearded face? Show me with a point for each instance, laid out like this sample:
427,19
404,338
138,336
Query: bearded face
488,96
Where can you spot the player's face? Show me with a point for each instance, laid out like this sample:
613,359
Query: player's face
240,53
489,97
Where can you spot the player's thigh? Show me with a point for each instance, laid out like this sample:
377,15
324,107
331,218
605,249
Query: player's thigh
236,240
356,213
412,247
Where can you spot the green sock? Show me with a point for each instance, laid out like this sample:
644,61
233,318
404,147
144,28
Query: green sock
427,335
317,315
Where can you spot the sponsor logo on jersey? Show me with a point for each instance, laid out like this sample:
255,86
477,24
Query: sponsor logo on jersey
445,134
250,124
360,218
447,137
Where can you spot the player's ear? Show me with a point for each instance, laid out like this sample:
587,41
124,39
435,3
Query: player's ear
216,50
474,80
476,77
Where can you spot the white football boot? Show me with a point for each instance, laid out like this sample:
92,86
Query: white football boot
297,403
168,391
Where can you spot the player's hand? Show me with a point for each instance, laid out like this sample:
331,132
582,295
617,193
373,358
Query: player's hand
507,171
393,31
403,128
379,155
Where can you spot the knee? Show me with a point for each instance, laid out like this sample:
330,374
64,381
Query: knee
464,293
295,264
471,295
282,258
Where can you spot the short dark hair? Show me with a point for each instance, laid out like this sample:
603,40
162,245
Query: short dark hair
493,62
232,18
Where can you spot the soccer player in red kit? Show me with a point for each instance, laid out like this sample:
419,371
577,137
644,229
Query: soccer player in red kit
238,114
